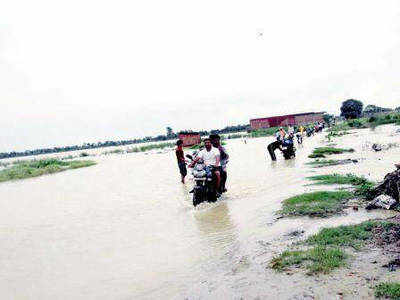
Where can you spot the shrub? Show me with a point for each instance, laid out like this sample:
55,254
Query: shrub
351,109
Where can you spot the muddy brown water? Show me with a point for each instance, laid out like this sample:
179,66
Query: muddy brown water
126,228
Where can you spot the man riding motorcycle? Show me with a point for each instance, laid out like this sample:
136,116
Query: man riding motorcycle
211,159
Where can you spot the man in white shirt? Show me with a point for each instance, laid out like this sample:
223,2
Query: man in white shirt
211,157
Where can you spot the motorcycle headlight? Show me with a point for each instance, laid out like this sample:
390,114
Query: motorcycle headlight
199,167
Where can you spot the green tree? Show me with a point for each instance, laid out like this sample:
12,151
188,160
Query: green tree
328,118
351,109
169,132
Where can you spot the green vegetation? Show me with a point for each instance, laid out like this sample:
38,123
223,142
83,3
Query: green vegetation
34,168
333,134
341,126
349,236
340,179
361,184
358,123
327,251
169,136
317,259
149,147
264,132
115,151
236,136
373,121
3,165
320,152
68,157
389,290
351,109
324,162
319,204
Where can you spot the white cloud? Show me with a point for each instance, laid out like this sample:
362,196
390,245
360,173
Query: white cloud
77,70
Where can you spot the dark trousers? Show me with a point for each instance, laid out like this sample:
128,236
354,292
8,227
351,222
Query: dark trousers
272,147
224,176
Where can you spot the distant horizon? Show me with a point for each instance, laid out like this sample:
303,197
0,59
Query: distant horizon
91,140
164,133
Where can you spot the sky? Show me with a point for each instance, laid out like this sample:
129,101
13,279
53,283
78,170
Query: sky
86,71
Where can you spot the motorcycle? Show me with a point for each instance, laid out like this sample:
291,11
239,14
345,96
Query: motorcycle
288,149
204,189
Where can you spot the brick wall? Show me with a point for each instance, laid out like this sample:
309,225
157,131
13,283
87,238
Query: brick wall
189,139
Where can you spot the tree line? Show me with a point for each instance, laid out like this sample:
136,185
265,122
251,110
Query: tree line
170,135
350,109
353,109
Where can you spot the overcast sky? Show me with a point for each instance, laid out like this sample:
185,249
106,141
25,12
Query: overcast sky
75,71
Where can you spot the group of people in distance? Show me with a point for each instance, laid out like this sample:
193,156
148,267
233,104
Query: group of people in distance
213,154
285,139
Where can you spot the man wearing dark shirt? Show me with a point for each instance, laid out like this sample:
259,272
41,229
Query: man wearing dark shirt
181,160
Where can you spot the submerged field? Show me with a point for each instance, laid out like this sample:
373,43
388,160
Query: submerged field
27,169
127,229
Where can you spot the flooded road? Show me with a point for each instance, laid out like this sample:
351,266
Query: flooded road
126,228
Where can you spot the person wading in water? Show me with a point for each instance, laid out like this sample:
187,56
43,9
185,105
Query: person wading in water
280,135
181,160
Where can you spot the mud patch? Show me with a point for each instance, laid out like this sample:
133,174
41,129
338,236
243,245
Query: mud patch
393,265
387,236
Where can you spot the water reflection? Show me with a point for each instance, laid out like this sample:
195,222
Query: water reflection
215,226
290,163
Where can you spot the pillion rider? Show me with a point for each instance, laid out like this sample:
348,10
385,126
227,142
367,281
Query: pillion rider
224,159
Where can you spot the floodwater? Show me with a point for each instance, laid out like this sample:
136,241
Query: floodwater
126,228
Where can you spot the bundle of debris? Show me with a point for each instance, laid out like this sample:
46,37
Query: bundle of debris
387,194
379,147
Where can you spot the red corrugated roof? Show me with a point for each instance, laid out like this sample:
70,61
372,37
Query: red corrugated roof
292,115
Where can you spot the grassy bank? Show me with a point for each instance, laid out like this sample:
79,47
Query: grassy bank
360,183
148,147
319,163
34,168
264,132
388,290
323,162
321,152
334,134
353,236
317,204
316,260
327,250
368,122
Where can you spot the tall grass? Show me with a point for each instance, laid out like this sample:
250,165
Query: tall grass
320,152
361,184
373,121
317,260
388,290
264,132
150,147
392,118
34,168
327,251
318,204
